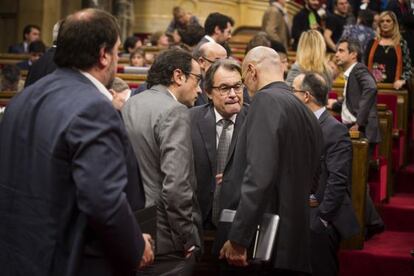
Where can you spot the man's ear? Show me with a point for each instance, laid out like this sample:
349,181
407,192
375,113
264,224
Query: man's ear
178,77
103,58
217,30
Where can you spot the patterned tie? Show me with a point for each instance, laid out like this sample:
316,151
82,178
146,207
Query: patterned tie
222,152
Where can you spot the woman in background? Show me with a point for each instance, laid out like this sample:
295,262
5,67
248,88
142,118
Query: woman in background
388,56
311,57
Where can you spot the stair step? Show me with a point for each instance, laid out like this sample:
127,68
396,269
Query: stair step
385,254
405,180
398,214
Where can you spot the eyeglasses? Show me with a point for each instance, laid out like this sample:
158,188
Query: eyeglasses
297,91
224,90
209,60
197,76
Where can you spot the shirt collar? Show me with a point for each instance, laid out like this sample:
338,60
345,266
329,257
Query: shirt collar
97,84
219,117
319,112
348,71
172,94
209,38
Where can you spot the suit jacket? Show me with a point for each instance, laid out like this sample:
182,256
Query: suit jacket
273,170
159,129
203,134
300,24
17,48
361,100
42,67
62,176
334,188
24,65
274,24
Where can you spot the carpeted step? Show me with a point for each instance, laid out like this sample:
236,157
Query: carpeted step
405,180
398,214
385,254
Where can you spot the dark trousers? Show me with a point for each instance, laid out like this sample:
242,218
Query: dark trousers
324,247
173,264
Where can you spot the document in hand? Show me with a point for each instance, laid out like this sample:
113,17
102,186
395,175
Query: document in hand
147,220
265,236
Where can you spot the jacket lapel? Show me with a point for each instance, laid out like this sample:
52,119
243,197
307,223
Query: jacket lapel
239,121
207,127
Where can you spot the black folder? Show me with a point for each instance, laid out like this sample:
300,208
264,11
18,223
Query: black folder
147,220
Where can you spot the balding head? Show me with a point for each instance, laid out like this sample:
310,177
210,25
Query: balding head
261,66
208,53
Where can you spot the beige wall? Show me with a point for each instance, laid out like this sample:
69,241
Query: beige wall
154,15
150,15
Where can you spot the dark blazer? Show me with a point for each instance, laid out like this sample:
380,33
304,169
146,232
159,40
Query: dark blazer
276,157
62,175
334,188
300,24
361,100
17,48
42,67
24,65
203,135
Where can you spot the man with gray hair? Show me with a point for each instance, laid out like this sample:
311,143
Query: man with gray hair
276,160
332,216
214,130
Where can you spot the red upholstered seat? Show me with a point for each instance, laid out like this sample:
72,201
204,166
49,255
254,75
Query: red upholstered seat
398,147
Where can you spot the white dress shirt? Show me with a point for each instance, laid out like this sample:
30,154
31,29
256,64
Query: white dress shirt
346,115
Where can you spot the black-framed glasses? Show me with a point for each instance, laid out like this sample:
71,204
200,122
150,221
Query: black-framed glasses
197,76
224,90
209,60
297,90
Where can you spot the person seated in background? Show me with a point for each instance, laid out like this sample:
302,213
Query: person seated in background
36,50
132,43
181,19
149,59
10,78
120,92
387,56
31,33
137,58
159,39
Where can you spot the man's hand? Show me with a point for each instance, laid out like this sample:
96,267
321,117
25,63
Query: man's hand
331,102
119,98
398,84
235,254
219,178
148,256
189,252
355,127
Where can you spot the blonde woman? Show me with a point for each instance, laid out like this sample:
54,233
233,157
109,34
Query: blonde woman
388,56
311,57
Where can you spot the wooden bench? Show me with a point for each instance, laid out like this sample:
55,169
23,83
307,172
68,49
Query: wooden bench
7,58
6,96
359,188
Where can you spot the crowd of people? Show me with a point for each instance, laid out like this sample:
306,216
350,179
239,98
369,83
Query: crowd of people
81,154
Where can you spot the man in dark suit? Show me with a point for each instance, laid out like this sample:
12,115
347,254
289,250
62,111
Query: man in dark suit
45,65
306,19
30,33
36,50
281,141
332,215
218,29
359,110
225,89
63,165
